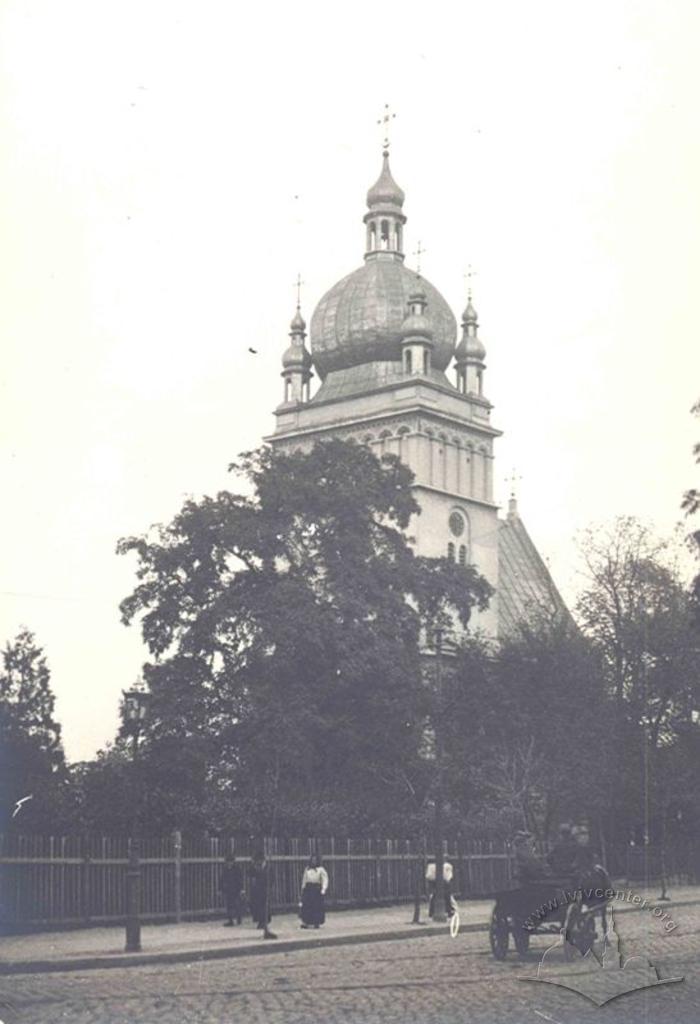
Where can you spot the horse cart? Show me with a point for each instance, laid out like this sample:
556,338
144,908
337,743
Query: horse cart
545,908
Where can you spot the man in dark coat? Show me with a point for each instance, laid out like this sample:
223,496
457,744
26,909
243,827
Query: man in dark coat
260,894
231,886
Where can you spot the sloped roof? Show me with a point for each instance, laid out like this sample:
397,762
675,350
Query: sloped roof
525,586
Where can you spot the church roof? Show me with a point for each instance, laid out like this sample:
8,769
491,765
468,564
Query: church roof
525,586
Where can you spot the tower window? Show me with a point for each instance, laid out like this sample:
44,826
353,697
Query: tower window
456,523
385,234
451,551
462,554
409,361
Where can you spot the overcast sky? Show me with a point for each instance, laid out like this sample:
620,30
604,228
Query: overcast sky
151,155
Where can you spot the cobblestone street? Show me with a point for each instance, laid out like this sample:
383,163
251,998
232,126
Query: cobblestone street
436,980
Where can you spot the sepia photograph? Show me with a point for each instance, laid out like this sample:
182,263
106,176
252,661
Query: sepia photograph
350,560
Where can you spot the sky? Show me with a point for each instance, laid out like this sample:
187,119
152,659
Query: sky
166,170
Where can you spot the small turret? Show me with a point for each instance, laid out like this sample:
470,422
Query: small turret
296,362
470,354
417,333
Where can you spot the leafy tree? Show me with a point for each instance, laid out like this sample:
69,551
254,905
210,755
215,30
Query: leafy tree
691,506
31,754
639,616
285,628
531,730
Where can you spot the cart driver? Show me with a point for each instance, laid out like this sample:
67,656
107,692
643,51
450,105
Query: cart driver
528,865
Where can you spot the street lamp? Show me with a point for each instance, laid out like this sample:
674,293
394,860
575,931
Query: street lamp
134,713
439,908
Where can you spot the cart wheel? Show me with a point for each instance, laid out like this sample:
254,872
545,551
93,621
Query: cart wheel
521,937
499,933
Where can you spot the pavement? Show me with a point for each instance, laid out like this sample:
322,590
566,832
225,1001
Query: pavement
99,948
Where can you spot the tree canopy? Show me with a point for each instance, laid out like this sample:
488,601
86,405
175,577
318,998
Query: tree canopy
285,628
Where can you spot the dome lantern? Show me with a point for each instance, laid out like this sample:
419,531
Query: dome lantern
385,219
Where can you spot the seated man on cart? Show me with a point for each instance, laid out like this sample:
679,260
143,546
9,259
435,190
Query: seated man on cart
529,866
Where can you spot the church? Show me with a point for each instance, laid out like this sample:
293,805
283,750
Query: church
393,375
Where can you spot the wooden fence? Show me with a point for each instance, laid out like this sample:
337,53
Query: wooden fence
53,881
47,881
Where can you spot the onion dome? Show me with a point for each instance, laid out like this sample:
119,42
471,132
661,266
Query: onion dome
417,324
385,191
360,320
470,348
297,356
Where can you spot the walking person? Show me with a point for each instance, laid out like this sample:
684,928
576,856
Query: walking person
260,894
231,886
314,885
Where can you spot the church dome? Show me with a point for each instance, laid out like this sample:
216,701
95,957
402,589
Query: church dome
361,319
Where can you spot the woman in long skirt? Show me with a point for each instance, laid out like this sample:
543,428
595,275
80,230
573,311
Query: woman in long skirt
314,885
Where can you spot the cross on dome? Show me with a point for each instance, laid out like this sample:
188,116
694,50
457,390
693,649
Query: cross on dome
385,120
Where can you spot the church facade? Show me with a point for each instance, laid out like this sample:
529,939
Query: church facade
394,376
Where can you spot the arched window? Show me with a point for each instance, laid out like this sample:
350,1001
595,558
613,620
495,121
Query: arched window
287,389
451,551
462,554
398,237
427,361
367,439
408,361
385,234
372,236
480,381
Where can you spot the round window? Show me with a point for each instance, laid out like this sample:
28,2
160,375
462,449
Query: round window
457,524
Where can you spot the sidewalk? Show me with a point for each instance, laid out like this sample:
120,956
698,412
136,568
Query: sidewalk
92,948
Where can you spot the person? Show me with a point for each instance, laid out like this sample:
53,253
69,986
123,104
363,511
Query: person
314,885
231,887
528,865
562,857
447,876
260,894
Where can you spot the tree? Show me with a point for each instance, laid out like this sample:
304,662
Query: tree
530,730
285,629
31,754
691,506
639,616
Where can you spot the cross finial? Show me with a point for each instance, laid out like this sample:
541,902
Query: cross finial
513,480
468,277
297,284
418,253
386,119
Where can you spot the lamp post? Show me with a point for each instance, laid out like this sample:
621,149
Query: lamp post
134,712
439,910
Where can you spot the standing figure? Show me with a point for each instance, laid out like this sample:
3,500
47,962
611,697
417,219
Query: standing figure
231,886
314,885
260,894
447,875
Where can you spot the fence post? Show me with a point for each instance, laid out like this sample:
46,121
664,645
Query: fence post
177,844
84,879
